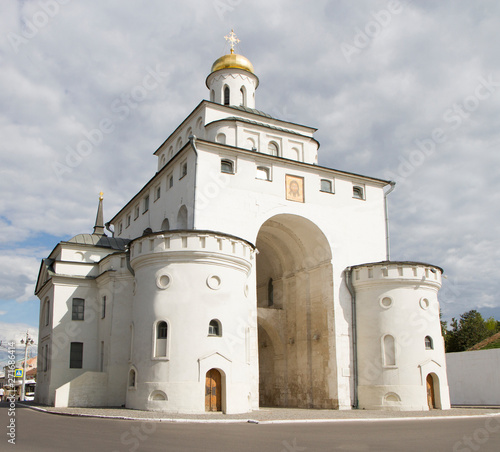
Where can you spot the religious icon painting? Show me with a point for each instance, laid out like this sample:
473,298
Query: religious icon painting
294,186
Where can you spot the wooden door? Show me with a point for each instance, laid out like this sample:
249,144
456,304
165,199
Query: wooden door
431,401
213,391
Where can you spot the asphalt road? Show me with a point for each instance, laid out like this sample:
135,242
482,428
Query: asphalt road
40,432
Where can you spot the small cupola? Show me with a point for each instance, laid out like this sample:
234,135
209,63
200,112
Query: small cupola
232,80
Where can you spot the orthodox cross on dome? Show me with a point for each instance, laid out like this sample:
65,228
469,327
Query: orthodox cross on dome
232,39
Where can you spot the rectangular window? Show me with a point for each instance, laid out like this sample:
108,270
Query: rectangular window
158,192
136,212
263,173
120,228
170,182
184,169
127,222
76,355
78,309
146,204
103,307
326,186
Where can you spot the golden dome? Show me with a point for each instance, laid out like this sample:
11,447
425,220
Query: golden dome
232,61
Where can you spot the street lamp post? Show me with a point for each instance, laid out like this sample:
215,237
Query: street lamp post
26,343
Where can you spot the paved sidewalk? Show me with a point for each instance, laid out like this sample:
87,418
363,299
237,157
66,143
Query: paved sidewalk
269,415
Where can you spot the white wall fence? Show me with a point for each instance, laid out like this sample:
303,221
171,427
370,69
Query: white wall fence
474,377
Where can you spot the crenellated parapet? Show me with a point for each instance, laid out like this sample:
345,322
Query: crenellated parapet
193,246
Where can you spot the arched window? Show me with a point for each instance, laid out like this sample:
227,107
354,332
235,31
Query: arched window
227,166
243,97
273,148
131,378
163,161
429,345
165,225
182,218
357,192
270,293
326,185
170,152
226,95
161,337
389,350
295,154
179,143
189,133
251,144
214,328
221,138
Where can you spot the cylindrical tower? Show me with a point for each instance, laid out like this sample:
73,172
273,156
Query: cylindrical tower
194,325
400,348
232,81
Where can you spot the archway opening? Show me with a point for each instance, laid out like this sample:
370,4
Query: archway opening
295,314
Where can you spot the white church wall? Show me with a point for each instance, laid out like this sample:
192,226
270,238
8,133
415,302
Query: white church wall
167,206
473,377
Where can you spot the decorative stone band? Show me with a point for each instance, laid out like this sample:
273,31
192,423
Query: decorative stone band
397,272
192,246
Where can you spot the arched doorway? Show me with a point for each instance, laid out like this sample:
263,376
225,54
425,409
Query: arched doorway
296,333
431,395
213,391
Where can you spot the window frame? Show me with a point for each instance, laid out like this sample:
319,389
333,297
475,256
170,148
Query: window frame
214,330
321,188
358,189
429,343
76,312
227,162
145,204
76,355
264,169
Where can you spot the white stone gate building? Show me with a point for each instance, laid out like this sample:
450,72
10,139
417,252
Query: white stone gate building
243,274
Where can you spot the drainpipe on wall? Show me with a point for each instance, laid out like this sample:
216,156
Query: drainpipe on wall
107,225
192,140
387,242
127,259
350,287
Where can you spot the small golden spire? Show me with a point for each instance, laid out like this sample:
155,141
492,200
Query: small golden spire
101,196
231,38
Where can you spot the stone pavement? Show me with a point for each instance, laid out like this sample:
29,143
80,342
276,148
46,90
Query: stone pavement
269,415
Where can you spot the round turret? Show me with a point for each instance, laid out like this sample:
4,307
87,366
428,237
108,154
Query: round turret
232,80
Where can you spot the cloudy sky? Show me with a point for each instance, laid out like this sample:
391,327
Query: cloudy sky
403,90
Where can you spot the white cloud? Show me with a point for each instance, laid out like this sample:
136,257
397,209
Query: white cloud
370,112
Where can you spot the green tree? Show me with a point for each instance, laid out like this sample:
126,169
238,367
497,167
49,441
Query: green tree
466,332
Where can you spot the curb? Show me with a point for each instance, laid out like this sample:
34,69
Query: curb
254,421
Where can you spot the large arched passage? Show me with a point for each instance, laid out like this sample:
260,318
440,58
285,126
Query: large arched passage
295,314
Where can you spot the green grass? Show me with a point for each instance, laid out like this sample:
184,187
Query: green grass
495,344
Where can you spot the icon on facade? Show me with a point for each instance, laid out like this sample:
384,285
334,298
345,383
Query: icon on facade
294,186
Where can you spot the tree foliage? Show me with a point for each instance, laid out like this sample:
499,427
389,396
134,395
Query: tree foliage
467,331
